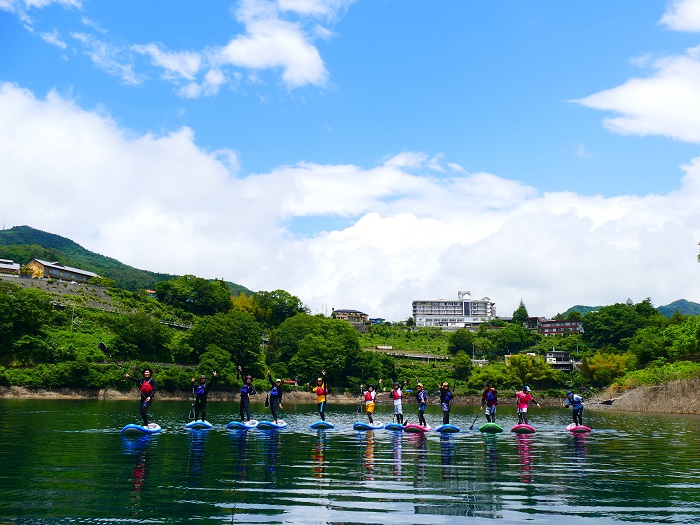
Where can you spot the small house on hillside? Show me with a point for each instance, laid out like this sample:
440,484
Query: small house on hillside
353,316
8,267
55,270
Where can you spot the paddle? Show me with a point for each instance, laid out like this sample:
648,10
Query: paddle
193,401
472,426
359,406
103,347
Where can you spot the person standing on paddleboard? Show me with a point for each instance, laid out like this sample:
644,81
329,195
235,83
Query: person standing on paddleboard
147,387
246,390
321,391
422,400
370,395
576,403
522,399
489,399
396,395
275,396
445,399
200,392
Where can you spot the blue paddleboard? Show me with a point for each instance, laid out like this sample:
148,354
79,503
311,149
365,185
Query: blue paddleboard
447,428
361,425
132,428
394,426
199,424
321,425
271,425
242,425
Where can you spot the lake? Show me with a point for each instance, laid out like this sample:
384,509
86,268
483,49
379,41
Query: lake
66,461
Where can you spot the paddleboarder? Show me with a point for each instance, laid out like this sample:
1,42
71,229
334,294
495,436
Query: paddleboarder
321,391
246,390
422,400
446,397
147,387
522,398
370,395
489,400
576,403
200,392
396,395
275,396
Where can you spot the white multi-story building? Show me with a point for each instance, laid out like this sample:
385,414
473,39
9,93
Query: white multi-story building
464,312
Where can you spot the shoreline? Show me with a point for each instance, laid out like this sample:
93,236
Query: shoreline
676,397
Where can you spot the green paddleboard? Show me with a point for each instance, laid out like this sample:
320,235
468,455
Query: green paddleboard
490,428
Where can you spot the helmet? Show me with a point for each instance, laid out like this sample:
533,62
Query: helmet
278,380
320,379
527,389
569,393
249,377
202,376
396,384
419,385
486,384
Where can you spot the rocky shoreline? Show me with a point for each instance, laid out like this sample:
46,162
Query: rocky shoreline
677,397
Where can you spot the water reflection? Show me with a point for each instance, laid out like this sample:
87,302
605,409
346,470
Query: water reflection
272,454
367,442
491,457
319,455
525,455
447,452
137,449
419,443
397,454
196,440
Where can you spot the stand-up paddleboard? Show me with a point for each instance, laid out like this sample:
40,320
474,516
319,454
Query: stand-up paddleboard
523,429
448,428
271,425
361,425
416,429
578,429
242,425
490,428
132,428
200,424
321,425
394,426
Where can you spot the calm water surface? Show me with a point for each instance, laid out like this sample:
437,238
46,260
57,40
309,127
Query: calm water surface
66,461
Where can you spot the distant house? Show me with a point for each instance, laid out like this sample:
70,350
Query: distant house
560,360
55,270
353,316
553,327
8,267
377,320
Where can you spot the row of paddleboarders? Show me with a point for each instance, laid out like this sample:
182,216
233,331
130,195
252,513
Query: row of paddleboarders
489,399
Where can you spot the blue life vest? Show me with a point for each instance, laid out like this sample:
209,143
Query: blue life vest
201,389
274,391
421,397
244,389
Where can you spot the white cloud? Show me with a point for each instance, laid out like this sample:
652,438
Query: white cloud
184,64
683,15
328,8
21,8
107,57
163,203
54,39
666,103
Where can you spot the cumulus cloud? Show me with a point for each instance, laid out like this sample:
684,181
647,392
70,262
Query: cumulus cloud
184,64
683,15
108,58
163,203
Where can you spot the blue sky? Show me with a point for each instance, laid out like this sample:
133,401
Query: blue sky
362,154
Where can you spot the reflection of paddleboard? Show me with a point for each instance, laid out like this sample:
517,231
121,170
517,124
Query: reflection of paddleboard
578,429
271,425
416,429
523,429
199,424
242,425
393,426
490,428
132,428
361,425
321,425
447,428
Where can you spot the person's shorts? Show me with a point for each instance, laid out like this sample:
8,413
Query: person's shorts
422,407
491,410
522,410
398,409
370,407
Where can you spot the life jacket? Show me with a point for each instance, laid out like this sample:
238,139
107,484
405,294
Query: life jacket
491,399
421,397
368,396
274,391
395,394
201,389
321,390
146,387
244,388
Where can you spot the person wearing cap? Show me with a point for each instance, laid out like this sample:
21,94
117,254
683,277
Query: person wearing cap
422,400
321,391
147,387
396,395
275,396
446,397
522,398
246,391
200,392
576,403
370,395
489,399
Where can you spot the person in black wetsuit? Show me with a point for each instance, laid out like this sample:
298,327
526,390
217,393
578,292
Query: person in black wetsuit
147,387
275,396
200,391
246,390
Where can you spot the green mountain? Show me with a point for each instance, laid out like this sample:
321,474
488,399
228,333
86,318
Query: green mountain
23,243
684,307
583,310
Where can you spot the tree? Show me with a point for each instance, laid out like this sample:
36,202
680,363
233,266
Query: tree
604,367
273,308
528,369
194,294
520,315
615,325
513,338
460,340
462,365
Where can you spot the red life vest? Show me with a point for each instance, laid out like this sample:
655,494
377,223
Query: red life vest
146,388
368,396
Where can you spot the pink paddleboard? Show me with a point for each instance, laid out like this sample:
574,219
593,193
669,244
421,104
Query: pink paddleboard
523,429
